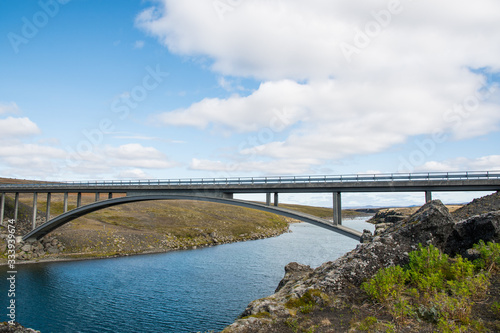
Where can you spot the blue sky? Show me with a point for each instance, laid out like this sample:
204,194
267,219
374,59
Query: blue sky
216,88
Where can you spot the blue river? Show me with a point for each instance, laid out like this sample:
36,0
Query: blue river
181,291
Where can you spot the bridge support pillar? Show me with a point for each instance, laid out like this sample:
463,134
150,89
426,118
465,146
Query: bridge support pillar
337,208
268,199
2,207
97,196
35,202
276,199
16,206
65,202
78,199
110,195
47,211
428,196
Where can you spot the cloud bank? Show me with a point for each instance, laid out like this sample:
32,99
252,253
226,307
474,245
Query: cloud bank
341,78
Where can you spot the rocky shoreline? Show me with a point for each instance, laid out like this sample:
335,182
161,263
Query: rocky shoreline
329,299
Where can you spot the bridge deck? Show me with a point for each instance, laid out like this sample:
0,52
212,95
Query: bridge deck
457,181
222,190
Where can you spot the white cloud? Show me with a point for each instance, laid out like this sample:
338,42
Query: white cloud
274,104
133,174
236,168
12,128
38,161
485,163
229,85
329,120
301,40
413,71
30,150
9,108
139,44
30,161
136,155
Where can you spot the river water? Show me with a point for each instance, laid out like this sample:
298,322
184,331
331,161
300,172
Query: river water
181,291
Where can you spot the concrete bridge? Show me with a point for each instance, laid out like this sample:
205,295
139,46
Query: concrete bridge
222,190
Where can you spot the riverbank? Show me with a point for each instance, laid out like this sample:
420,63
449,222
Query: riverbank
332,297
75,256
146,228
199,290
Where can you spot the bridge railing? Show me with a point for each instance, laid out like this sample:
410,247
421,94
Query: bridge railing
392,177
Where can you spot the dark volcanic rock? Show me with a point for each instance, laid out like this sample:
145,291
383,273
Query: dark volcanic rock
387,216
394,218
465,234
431,224
478,206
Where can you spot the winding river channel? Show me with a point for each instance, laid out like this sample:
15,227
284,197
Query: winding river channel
181,291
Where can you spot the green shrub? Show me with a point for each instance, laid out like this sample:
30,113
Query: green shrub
368,324
387,284
434,288
495,307
489,256
428,269
292,323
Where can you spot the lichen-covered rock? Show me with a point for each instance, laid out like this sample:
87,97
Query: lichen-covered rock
5,327
263,307
293,272
431,224
366,237
33,249
387,216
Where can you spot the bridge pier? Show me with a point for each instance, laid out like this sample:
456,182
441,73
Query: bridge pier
35,202
78,199
276,199
65,202
428,196
16,206
337,208
97,196
268,199
110,195
47,210
2,208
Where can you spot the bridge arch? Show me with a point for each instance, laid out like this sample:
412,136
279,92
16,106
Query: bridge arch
69,216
